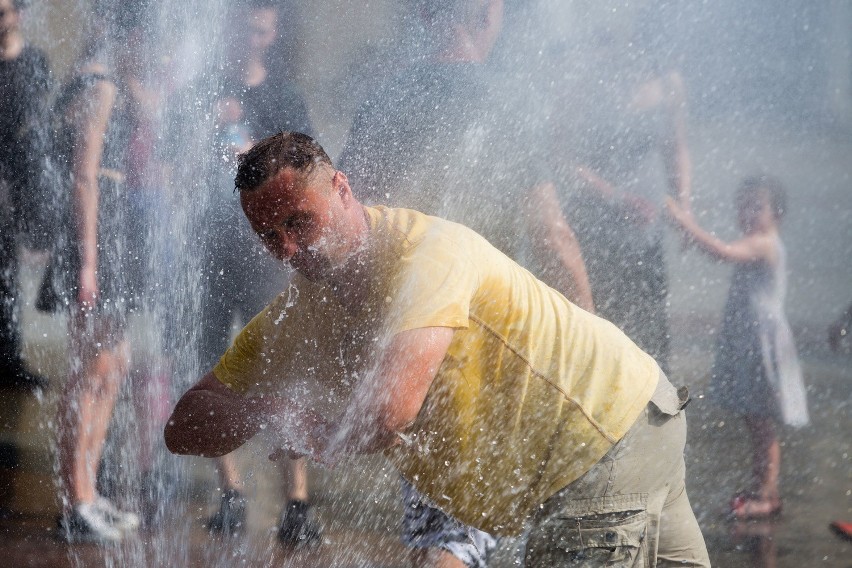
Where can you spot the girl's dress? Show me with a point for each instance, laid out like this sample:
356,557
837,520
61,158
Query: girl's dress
757,371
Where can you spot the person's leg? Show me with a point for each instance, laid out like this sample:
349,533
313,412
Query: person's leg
766,462
217,316
298,525
9,336
680,536
231,514
85,409
13,372
296,480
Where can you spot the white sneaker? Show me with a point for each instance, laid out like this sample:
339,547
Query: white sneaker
86,524
122,520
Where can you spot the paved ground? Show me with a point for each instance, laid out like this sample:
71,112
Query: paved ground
358,507
358,504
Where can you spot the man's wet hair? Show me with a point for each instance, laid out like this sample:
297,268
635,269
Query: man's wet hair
752,187
280,151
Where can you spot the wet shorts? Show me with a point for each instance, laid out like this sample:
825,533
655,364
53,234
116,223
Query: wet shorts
424,525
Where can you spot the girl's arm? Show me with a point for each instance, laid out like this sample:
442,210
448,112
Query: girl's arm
90,115
748,249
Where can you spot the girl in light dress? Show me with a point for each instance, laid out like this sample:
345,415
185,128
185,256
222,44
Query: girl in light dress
756,373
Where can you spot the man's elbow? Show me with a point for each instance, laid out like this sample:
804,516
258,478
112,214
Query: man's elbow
174,439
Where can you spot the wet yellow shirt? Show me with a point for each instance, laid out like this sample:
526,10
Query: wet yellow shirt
532,393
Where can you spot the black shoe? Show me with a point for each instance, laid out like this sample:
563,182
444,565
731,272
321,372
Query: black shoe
18,377
299,526
231,515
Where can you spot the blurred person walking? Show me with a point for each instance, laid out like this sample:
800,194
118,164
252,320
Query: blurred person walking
450,137
97,269
25,85
618,142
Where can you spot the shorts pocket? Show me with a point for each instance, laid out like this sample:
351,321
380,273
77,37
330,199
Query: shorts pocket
612,538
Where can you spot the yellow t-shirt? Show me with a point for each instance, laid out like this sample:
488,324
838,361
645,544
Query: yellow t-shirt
532,393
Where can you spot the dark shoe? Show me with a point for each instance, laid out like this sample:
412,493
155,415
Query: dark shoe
231,515
18,377
299,526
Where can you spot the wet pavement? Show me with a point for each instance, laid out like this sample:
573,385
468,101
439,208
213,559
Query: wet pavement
359,511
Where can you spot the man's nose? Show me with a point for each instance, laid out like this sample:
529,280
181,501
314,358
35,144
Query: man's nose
287,247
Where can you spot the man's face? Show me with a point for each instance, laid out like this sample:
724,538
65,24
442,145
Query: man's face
303,222
10,17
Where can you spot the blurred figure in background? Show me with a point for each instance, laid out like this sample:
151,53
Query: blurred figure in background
619,142
97,269
444,138
24,88
756,374
239,278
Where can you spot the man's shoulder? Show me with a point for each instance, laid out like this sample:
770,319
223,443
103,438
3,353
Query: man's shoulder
413,235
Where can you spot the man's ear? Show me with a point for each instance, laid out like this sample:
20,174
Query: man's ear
341,185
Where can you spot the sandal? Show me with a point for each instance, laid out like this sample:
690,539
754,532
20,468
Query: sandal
745,506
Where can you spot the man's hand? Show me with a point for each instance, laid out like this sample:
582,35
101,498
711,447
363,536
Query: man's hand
212,420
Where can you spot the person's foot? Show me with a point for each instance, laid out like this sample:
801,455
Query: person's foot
85,523
754,507
299,526
18,377
231,515
122,520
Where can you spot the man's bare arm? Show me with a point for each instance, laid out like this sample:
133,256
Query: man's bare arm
211,420
385,403
556,248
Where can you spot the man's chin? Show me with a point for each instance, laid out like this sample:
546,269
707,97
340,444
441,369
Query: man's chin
312,272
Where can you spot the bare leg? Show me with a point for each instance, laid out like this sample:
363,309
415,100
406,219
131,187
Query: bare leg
298,525
86,408
766,467
229,475
296,480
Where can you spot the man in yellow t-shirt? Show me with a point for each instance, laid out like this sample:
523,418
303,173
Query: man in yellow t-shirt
500,402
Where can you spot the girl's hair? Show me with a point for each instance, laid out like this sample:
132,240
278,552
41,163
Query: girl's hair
753,187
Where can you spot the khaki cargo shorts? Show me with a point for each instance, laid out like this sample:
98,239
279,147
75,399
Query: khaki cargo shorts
631,508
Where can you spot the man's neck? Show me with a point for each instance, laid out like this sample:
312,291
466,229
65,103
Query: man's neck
350,284
11,45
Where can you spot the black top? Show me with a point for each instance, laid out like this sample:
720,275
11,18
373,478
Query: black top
445,139
24,87
270,107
